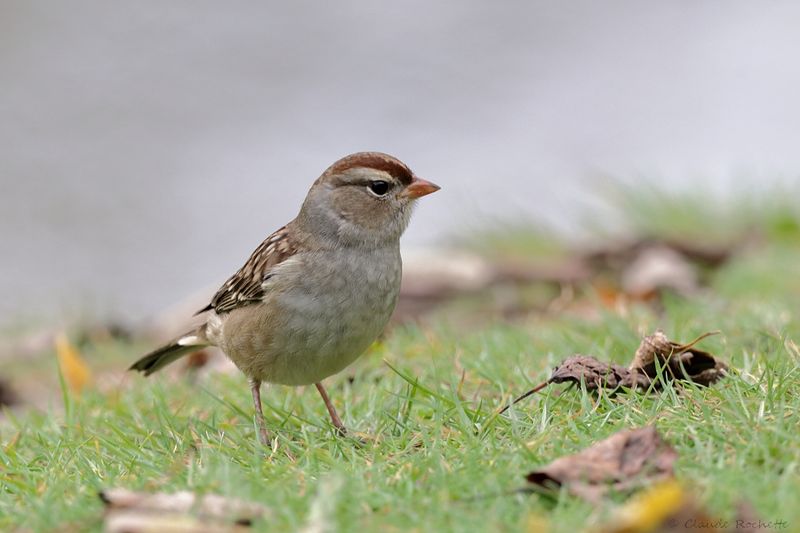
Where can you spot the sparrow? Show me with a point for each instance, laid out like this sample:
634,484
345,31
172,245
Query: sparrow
316,293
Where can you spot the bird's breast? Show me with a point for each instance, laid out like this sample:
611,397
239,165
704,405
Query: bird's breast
327,311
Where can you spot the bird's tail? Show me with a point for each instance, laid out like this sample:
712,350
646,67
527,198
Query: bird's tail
183,345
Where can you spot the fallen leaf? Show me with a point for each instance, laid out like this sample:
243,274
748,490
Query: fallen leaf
665,507
593,374
669,506
614,258
596,374
680,361
650,510
656,268
74,369
625,460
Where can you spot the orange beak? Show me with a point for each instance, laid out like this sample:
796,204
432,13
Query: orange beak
419,188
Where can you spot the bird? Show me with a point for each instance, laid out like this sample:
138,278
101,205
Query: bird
317,292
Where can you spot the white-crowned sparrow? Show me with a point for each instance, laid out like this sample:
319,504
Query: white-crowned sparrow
317,292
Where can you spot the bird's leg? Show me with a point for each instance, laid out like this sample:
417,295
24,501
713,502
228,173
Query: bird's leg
331,410
255,388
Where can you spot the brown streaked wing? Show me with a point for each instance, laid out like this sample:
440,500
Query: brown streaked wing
245,287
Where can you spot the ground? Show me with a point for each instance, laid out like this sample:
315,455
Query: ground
428,450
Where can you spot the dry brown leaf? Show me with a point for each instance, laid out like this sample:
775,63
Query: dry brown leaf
596,374
680,361
625,460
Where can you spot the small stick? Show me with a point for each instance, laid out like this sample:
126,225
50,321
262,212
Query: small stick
684,347
532,391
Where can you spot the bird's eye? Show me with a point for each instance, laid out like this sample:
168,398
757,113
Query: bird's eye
379,187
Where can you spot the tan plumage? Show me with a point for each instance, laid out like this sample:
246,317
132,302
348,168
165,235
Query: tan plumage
315,294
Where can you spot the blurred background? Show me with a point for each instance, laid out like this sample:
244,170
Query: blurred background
146,148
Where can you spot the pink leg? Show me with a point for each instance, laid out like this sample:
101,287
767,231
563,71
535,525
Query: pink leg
263,436
331,410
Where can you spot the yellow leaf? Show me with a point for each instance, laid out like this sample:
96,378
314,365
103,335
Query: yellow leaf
536,523
649,510
74,369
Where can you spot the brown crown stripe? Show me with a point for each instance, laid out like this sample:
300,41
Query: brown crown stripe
376,160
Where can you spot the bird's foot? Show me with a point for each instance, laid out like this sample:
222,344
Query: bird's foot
341,431
263,435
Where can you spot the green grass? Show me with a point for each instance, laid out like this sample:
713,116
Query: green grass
689,215
438,458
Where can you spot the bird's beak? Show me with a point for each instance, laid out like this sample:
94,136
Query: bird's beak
419,188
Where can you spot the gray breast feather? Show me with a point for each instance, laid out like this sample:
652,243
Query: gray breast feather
329,315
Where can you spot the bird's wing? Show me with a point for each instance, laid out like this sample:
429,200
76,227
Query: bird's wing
246,286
